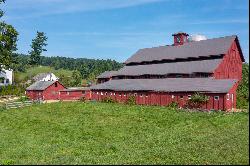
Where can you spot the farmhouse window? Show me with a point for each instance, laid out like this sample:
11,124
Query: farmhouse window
216,97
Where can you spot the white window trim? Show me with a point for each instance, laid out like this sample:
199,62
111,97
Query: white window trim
228,96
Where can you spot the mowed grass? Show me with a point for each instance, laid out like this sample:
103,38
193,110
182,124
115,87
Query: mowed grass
99,133
30,72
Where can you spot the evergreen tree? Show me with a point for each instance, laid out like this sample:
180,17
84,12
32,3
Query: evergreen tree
37,47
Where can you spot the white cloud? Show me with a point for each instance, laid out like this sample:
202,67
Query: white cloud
37,8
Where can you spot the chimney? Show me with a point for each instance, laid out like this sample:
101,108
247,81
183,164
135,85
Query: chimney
180,38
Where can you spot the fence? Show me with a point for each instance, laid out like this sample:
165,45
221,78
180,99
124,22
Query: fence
10,105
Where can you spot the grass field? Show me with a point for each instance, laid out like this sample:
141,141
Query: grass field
99,133
30,72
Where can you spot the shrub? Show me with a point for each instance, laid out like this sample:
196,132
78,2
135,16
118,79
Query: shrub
108,100
173,105
23,98
197,100
131,100
83,99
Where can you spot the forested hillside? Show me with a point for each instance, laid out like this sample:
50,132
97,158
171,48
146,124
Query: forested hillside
88,68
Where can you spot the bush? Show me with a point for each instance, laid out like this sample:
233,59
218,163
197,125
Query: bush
131,100
23,98
173,105
108,100
83,99
196,101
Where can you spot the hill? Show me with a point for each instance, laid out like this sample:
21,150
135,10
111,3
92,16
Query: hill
32,71
99,133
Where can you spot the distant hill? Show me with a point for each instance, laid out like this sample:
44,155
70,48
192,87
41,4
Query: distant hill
89,68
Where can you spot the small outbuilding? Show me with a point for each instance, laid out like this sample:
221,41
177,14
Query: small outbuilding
75,93
44,90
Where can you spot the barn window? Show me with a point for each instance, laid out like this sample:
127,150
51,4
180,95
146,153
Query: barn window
216,97
181,97
106,93
189,96
111,93
56,84
114,93
97,93
172,96
67,93
178,76
146,95
141,95
124,94
101,93
120,94
135,94
228,96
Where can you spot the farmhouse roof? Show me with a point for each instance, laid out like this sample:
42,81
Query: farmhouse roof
204,66
40,85
169,85
40,76
193,49
106,74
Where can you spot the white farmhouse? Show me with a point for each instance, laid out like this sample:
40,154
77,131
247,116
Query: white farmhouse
6,77
45,77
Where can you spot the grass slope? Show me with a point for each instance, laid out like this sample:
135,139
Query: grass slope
99,133
30,72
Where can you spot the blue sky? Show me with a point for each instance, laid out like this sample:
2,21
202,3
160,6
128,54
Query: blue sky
116,29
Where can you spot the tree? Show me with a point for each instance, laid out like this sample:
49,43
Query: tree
76,78
243,88
8,39
37,47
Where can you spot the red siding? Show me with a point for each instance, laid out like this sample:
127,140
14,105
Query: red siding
164,98
231,65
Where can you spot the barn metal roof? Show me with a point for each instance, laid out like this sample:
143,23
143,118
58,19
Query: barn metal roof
204,66
69,89
40,85
169,85
106,74
194,49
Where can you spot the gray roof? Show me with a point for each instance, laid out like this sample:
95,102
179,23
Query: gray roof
75,89
106,74
194,49
204,66
40,85
169,85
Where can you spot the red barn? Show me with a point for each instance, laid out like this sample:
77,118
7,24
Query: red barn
160,75
74,93
44,90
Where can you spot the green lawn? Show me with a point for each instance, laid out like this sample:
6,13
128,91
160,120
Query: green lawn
99,133
30,72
